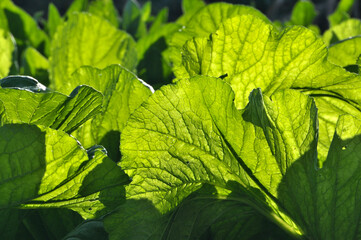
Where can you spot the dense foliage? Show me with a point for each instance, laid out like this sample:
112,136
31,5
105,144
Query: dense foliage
220,125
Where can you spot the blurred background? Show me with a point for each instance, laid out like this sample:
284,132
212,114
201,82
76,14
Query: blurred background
274,9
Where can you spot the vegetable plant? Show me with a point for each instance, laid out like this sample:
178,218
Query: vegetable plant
220,125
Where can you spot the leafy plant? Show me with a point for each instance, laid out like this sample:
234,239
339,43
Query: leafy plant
253,131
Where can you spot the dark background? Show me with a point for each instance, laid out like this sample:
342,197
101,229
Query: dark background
274,9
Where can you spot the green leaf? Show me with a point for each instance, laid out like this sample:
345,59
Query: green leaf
288,122
260,57
36,65
50,169
76,6
205,216
26,101
75,45
6,53
154,64
54,19
341,12
358,62
89,230
200,216
23,27
154,57
134,18
346,29
58,222
159,20
270,146
329,110
345,53
146,11
296,56
123,93
106,10
45,223
209,18
10,221
329,208
190,7
241,48
134,220
206,21
303,13
203,139
345,5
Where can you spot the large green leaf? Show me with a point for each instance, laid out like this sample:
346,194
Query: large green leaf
201,138
330,194
329,207
76,45
6,53
250,54
346,29
44,168
123,93
270,146
206,21
24,100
